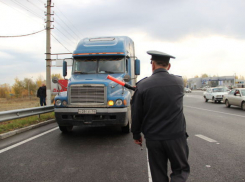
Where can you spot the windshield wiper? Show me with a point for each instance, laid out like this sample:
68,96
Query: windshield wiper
80,72
109,71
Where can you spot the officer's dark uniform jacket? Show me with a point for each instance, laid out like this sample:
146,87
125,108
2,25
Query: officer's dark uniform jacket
157,107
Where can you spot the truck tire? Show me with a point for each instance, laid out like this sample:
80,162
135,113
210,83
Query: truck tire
243,105
227,103
206,100
213,99
66,129
126,129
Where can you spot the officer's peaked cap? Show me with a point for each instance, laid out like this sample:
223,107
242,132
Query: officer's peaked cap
159,56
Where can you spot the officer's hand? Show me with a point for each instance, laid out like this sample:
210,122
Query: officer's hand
139,142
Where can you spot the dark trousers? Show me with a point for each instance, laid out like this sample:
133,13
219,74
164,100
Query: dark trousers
176,151
43,101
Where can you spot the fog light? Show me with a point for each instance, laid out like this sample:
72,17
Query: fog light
64,103
110,103
119,102
58,102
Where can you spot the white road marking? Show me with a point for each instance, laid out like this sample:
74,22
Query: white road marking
27,140
215,111
149,170
206,138
194,96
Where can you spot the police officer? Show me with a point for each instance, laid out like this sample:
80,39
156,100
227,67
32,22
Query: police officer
157,112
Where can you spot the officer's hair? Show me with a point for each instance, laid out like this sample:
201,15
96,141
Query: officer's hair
163,63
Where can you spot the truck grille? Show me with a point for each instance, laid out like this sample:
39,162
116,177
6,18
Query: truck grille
84,94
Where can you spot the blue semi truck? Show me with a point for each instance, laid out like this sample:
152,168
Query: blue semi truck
91,99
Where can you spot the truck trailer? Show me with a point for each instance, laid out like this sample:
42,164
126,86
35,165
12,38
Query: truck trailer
91,99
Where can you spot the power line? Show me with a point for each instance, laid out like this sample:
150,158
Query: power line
64,35
64,40
67,25
35,6
60,43
22,35
67,19
65,30
24,7
41,1
16,9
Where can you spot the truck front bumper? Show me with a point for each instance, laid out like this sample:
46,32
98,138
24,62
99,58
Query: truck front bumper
103,117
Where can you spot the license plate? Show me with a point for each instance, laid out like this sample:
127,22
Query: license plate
86,111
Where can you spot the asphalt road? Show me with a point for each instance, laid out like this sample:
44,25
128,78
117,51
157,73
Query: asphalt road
216,145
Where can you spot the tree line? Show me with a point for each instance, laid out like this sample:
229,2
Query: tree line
206,75
23,88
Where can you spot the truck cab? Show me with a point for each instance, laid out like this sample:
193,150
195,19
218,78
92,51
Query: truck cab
91,99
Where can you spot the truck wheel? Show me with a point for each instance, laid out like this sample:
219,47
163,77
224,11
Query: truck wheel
213,99
227,103
66,129
206,100
243,105
126,129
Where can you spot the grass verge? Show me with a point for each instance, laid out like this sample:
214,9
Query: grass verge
23,122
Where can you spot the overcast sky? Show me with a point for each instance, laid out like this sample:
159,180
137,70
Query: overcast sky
205,36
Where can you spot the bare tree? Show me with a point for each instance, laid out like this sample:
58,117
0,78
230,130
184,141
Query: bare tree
204,75
185,80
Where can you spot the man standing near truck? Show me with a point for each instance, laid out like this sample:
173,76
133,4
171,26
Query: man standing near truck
157,112
41,93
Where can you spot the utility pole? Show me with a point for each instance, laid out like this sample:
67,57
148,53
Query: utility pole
48,52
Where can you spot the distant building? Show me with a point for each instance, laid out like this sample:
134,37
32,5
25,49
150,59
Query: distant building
228,81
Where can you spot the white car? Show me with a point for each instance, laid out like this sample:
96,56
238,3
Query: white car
235,97
187,90
205,88
215,94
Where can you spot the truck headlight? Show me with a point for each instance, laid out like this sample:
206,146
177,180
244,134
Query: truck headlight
58,102
64,103
119,102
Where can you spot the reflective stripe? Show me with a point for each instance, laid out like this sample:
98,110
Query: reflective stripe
82,54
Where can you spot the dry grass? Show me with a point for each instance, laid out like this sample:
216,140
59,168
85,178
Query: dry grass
21,103
18,103
23,122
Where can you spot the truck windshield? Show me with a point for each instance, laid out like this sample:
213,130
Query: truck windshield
99,65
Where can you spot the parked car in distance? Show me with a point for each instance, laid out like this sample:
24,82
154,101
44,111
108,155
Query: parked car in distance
215,94
235,97
187,90
205,88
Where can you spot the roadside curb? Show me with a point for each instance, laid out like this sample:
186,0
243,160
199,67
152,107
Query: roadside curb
21,130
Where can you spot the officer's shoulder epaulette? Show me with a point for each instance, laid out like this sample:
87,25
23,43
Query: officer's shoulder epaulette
141,80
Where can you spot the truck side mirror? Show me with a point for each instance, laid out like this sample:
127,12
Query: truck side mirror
64,68
137,67
55,79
